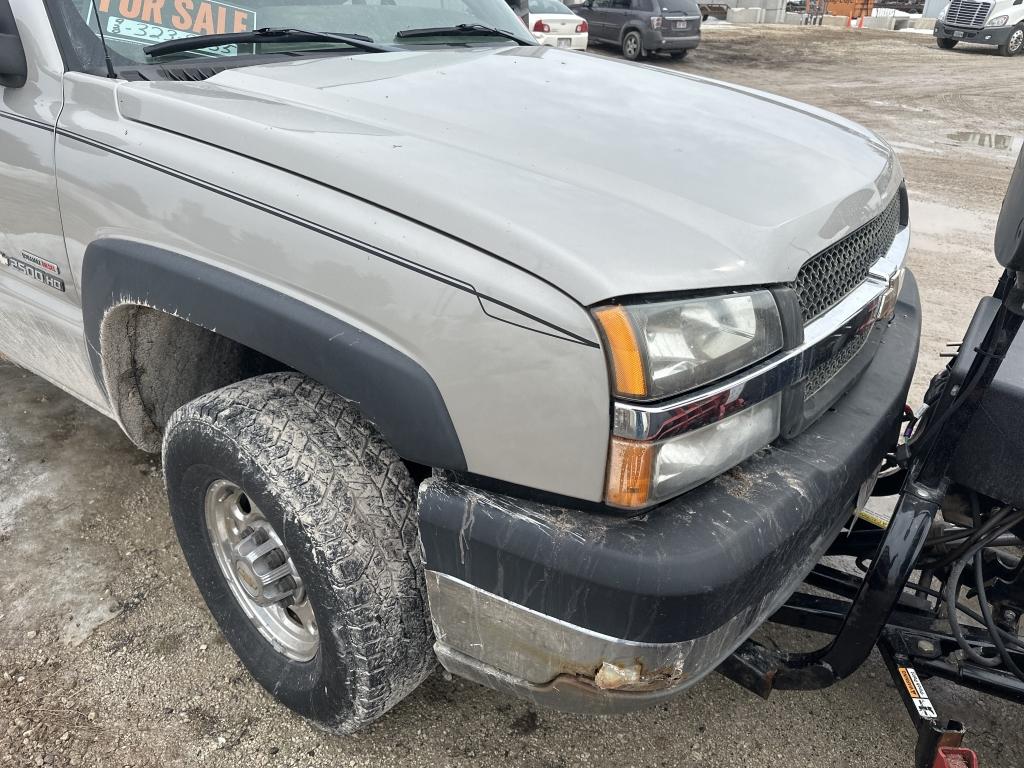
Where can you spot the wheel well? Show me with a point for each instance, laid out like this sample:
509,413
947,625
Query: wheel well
155,362
145,310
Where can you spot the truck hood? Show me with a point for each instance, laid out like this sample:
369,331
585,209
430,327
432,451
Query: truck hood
601,177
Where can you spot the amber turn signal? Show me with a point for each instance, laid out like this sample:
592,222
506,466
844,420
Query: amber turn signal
629,473
626,361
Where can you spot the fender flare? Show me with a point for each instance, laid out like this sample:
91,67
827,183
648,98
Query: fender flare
395,392
631,26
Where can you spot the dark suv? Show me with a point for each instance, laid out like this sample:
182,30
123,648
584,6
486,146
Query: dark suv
644,26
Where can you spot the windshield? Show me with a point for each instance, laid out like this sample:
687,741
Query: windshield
130,25
547,6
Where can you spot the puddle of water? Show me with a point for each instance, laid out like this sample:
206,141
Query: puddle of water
999,141
911,147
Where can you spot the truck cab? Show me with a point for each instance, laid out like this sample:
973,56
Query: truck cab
999,23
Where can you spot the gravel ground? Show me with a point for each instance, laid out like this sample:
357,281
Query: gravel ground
109,658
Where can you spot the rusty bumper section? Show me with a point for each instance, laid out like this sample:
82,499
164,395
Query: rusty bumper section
509,648
591,612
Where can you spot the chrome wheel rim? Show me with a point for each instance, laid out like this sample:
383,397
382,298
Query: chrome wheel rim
1017,40
260,572
632,45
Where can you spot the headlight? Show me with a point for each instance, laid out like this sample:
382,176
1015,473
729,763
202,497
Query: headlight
660,349
664,348
998,21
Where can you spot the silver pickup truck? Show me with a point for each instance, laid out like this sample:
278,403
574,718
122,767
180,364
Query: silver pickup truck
450,357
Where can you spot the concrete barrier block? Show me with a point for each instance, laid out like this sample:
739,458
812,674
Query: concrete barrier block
794,18
902,22
774,15
834,21
880,22
745,15
922,23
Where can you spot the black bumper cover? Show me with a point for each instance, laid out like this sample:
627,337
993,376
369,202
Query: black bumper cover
681,571
987,36
656,41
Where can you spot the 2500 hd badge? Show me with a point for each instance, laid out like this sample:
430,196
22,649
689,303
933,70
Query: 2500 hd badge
42,272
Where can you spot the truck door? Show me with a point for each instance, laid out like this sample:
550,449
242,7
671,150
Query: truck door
40,314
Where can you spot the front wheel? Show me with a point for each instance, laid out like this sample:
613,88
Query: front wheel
632,45
946,43
1015,44
298,523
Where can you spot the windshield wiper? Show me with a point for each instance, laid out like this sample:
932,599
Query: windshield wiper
265,35
462,29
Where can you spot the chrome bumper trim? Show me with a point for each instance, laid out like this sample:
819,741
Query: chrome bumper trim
856,314
534,647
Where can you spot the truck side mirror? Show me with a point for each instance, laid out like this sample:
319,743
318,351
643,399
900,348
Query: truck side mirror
13,65
1010,227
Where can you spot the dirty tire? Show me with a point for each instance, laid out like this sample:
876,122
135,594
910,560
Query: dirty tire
1015,45
344,505
632,45
946,43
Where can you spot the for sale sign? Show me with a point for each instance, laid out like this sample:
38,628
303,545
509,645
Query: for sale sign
154,21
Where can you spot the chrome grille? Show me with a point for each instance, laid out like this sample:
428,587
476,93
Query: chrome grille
828,277
966,13
824,372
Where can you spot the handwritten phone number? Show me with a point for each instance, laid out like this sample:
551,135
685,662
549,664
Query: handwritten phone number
138,30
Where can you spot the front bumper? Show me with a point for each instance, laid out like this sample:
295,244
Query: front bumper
588,612
986,36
